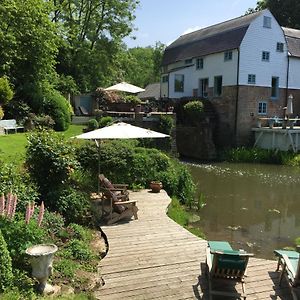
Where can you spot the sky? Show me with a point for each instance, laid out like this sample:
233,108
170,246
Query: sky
165,20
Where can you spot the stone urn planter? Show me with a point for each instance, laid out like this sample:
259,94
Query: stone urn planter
156,186
41,258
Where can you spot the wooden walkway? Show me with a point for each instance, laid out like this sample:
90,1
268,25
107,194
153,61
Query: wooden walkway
155,258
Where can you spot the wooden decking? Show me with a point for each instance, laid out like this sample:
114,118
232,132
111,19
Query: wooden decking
155,258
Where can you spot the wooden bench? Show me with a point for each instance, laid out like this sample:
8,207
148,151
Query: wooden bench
10,124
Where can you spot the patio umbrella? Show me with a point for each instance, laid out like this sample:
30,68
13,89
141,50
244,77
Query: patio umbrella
119,131
289,107
125,87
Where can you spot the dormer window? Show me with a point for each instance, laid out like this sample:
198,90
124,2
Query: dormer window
267,22
199,63
227,55
188,61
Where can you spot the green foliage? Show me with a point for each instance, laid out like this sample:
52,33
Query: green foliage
69,202
297,241
19,183
6,92
53,222
5,265
193,111
58,108
80,233
257,155
20,236
132,99
50,160
105,121
123,162
93,124
166,123
79,250
67,268
1,113
17,109
66,85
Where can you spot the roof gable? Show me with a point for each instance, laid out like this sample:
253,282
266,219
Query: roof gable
217,38
292,37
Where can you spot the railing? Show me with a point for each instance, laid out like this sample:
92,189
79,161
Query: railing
278,122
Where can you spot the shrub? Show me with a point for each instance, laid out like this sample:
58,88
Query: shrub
104,121
5,265
166,124
78,232
53,222
79,250
18,182
67,268
69,202
193,111
50,160
43,121
58,108
19,236
6,92
92,124
17,109
132,99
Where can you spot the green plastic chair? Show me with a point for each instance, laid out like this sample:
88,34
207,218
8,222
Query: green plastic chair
289,263
226,265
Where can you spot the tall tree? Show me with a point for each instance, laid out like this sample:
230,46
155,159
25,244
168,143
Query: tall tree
28,43
286,12
91,32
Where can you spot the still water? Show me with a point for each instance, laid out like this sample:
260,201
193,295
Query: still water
255,207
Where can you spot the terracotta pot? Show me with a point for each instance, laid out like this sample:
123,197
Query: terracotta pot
155,186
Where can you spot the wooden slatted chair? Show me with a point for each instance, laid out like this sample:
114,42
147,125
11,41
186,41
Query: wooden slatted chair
120,190
226,265
289,264
115,208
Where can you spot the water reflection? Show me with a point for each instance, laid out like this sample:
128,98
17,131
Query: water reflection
255,207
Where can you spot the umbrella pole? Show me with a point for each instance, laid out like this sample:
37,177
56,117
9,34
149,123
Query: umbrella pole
98,146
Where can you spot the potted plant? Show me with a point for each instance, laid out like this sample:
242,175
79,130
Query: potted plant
156,186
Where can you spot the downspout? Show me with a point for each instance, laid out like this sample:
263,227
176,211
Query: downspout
287,80
237,97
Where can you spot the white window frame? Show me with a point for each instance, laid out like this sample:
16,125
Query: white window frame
262,108
265,56
251,79
267,22
275,88
279,47
176,78
227,55
188,61
199,63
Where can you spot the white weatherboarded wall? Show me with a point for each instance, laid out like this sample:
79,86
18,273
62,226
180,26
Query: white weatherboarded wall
256,40
213,65
294,73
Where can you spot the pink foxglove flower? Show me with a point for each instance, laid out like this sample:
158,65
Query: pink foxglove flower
9,204
41,214
14,205
2,205
32,207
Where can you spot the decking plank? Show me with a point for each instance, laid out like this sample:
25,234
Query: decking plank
155,258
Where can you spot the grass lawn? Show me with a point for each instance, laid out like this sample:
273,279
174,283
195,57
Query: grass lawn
12,146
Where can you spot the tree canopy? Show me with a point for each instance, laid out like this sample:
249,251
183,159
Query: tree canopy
286,12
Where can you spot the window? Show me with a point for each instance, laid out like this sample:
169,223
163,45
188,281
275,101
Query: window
267,22
179,83
262,108
265,56
218,86
227,55
165,78
279,47
188,61
203,87
251,78
199,63
275,87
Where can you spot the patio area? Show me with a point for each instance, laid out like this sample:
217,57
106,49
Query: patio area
155,258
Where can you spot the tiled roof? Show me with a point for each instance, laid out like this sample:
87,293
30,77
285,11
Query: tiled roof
293,40
152,90
217,38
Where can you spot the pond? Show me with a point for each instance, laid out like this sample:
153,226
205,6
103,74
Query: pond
255,207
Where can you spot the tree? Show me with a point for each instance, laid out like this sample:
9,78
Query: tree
28,43
286,12
6,92
91,32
